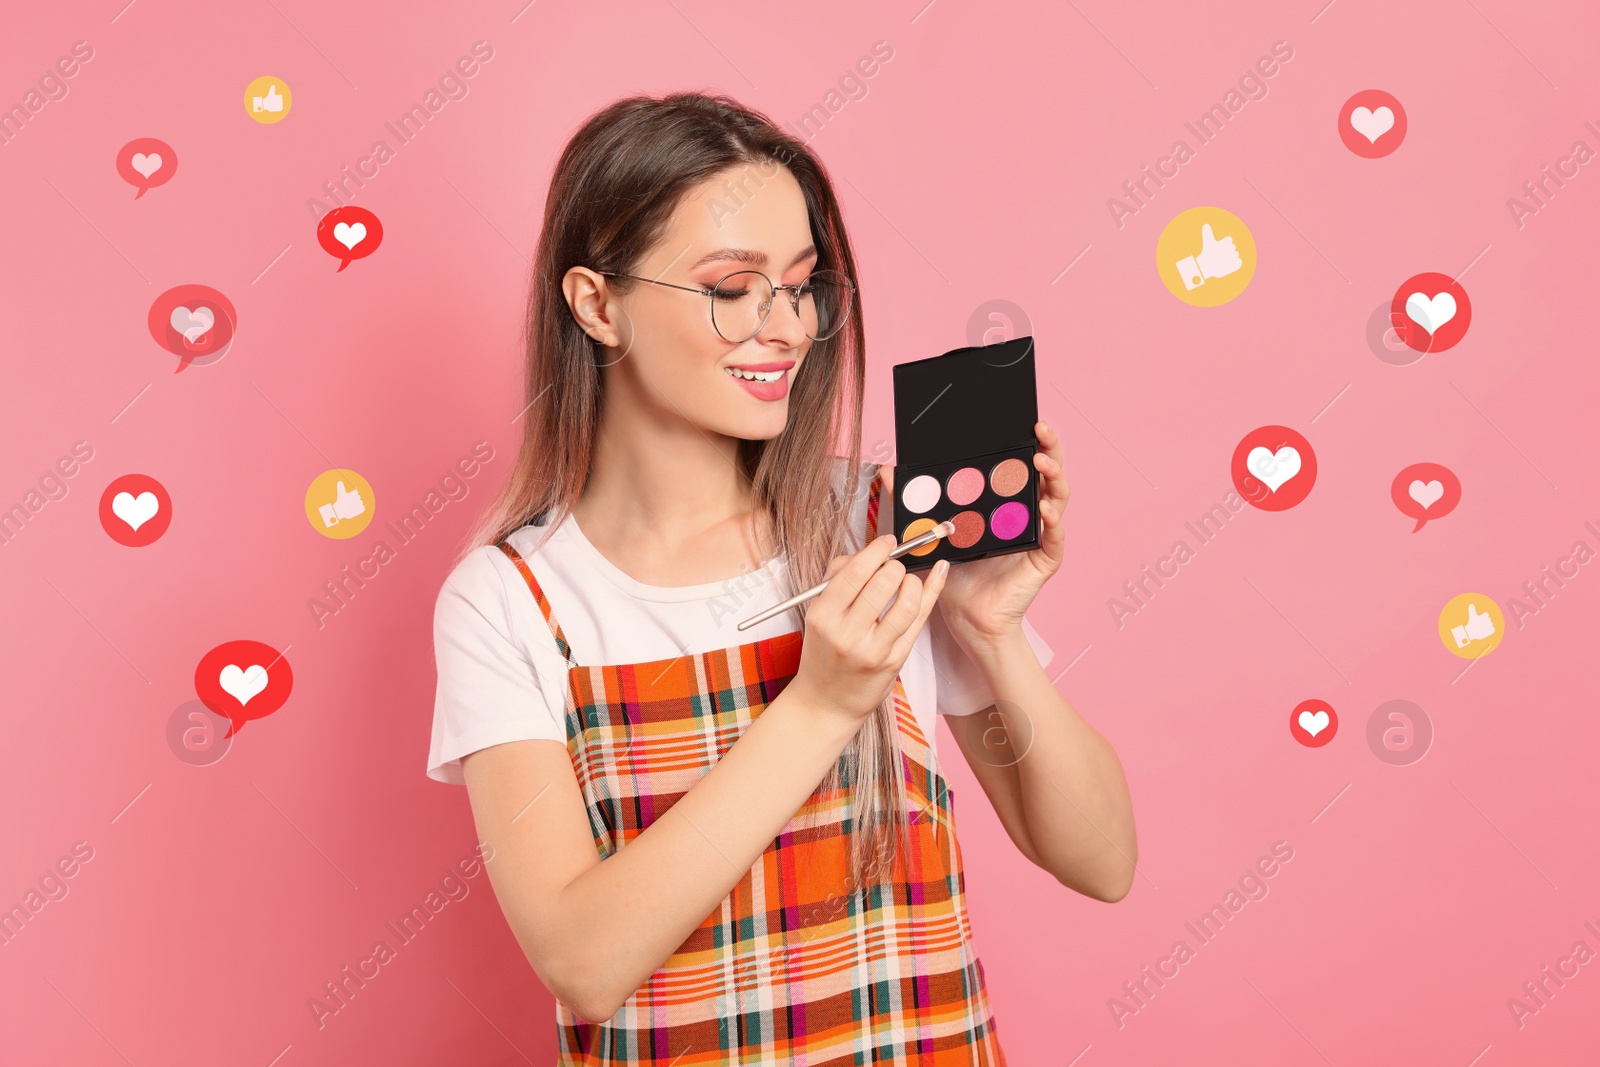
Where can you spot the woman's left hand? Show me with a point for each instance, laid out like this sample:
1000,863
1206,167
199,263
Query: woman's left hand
984,600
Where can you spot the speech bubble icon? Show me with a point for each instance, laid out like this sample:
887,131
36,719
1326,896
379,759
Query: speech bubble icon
194,323
1425,491
243,680
146,162
349,233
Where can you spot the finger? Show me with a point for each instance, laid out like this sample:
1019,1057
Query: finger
1049,439
1052,481
1052,539
823,601
875,595
1206,236
845,584
907,602
930,596
1048,463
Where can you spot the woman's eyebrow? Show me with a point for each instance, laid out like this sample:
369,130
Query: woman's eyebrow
746,255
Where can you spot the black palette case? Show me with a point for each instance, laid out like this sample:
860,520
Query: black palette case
967,413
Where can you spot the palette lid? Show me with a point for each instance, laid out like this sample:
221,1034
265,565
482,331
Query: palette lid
965,403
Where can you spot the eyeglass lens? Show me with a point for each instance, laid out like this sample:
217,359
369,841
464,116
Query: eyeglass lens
740,304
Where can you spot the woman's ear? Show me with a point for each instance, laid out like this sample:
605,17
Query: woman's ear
588,297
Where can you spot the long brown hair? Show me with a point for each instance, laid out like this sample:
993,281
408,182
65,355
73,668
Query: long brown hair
613,192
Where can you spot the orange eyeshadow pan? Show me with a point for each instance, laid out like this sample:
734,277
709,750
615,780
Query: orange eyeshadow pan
916,528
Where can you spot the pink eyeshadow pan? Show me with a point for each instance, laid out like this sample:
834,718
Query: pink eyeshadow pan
1009,520
920,493
965,485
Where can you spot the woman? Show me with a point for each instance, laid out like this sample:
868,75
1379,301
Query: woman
717,845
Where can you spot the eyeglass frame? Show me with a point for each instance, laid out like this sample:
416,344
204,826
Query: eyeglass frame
793,290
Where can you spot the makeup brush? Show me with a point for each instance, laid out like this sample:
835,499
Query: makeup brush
944,529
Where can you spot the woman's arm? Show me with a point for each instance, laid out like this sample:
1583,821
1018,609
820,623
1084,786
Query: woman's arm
1058,788
595,931
1055,782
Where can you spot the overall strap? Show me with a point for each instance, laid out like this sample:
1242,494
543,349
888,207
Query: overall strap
874,490
541,600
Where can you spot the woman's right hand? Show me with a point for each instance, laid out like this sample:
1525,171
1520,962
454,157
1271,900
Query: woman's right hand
850,657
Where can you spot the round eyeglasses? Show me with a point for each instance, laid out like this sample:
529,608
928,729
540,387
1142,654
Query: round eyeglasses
741,302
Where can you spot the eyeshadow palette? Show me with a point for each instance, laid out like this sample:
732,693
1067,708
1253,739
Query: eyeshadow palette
964,444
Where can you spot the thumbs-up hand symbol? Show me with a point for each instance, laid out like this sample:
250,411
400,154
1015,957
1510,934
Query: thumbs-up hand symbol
1479,626
1217,259
346,504
273,101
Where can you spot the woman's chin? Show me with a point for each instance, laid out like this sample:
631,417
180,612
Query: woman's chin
763,427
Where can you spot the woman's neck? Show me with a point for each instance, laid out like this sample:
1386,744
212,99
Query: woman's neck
665,500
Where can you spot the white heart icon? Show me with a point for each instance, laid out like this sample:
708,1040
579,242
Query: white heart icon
1426,494
242,685
1372,124
349,235
1313,724
1274,468
192,324
147,165
1430,314
135,510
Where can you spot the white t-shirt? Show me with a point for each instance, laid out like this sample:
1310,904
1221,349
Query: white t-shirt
502,677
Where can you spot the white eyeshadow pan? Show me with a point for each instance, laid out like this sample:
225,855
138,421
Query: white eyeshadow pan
920,493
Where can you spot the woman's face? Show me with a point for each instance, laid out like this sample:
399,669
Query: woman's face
666,349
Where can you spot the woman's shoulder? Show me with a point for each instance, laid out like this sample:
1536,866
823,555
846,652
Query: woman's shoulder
474,587
483,576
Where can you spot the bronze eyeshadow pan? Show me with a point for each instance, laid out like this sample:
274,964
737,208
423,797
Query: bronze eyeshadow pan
964,448
969,529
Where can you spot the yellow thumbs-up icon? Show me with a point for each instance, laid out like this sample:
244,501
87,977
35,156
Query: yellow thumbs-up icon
267,100
339,503
1471,625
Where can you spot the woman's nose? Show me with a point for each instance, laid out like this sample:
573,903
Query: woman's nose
783,320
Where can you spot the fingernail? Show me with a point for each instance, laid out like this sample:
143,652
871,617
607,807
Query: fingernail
942,566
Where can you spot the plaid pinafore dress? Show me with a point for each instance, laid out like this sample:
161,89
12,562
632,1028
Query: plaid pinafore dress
791,968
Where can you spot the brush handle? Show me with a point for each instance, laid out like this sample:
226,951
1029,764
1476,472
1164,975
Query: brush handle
944,529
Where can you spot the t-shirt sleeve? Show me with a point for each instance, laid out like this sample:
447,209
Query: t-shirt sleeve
491,689
959,684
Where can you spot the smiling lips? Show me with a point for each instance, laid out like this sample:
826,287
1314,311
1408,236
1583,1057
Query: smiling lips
764,381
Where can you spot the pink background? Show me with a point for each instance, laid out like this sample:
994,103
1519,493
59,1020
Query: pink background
977,167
